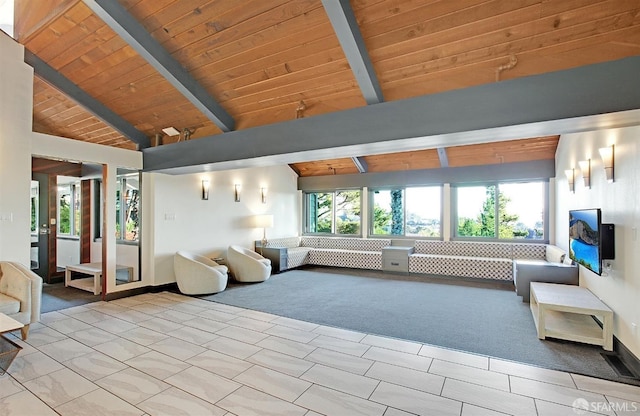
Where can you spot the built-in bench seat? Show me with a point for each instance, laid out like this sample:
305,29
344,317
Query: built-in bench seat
485,260
357,253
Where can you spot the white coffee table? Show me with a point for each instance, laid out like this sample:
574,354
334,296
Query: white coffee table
566,312
8,348
94,283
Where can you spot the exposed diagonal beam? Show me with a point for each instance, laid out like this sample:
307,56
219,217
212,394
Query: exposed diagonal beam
128,28
77,94
442,155
346,28
360,163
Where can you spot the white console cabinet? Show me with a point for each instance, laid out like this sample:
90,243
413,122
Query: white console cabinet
396,259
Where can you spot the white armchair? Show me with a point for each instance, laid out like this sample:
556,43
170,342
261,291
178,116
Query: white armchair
198,275
20,294
247,265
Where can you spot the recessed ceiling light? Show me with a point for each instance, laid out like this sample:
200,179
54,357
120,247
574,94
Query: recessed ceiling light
170,131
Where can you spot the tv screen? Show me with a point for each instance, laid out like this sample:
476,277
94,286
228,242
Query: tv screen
584,238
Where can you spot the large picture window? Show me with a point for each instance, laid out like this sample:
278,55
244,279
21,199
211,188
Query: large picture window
411,212
501,211
335,212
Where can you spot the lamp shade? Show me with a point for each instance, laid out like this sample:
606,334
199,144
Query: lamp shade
263,221
606,153
585,168
571,178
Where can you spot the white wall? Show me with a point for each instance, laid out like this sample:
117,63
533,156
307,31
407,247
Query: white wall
16,103
183,221
67,251
620,204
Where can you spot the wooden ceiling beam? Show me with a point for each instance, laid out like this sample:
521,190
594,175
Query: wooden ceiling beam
125,25
71,90
346,28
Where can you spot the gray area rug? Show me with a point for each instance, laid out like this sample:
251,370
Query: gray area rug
482,317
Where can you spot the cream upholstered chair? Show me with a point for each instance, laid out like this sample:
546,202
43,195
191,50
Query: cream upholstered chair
20,294
247,265
198,275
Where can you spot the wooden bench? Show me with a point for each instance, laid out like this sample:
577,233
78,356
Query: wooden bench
566,312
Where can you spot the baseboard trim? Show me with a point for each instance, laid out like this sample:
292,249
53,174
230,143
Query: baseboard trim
168,287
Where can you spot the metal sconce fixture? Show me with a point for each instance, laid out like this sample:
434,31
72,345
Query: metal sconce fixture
585,167
205,189
571,178
263,195
606,153
236,192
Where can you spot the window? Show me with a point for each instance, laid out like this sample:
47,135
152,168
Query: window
333,212
518,207
69,209
127,205
412,212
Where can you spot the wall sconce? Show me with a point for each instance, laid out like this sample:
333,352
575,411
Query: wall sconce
585,167
205,189
606,153
263,195
571,178
236,193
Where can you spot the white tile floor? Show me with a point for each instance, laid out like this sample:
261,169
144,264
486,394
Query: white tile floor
167,354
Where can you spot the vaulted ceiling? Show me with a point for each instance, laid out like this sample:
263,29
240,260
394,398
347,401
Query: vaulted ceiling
119,72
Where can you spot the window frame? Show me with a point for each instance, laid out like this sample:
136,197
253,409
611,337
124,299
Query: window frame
98,198
371,225
334,192
455,217
75,215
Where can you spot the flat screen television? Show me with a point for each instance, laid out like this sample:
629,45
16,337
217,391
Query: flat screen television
585,245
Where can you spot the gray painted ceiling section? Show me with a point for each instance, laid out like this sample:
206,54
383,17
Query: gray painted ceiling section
347,30
535,170
121,22
71,90
580,99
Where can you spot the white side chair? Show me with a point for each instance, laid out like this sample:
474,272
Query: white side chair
20,294
198,275
247,265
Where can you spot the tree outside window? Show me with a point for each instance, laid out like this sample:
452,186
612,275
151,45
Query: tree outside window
334,212
127,207
518,207
411,211
69,209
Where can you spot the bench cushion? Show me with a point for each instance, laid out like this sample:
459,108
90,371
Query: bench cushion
354,259
479,267
297,256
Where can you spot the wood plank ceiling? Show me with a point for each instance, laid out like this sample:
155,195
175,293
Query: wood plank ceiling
272,61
